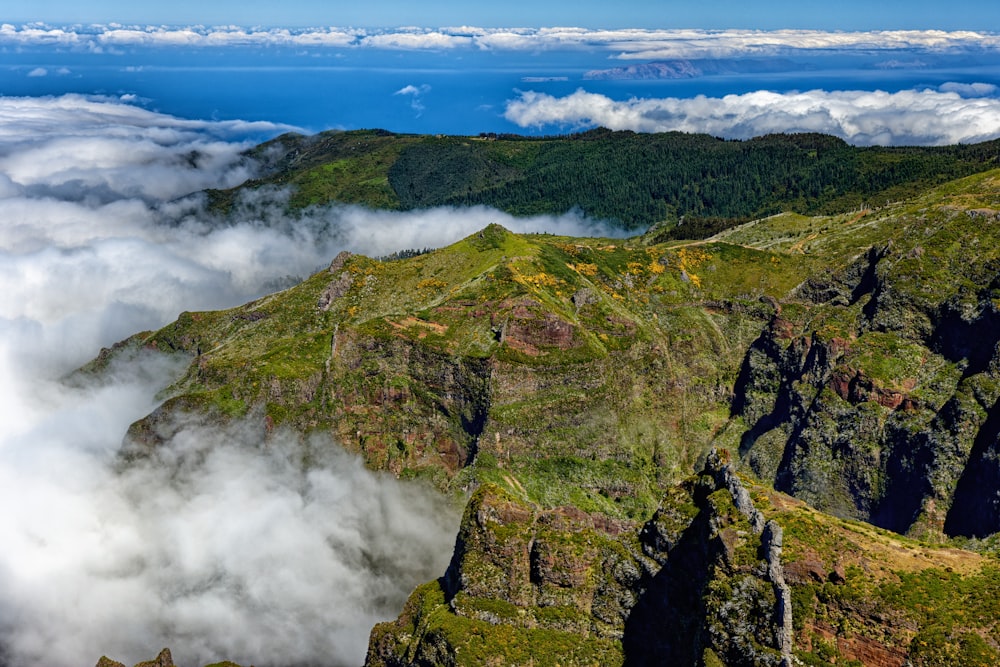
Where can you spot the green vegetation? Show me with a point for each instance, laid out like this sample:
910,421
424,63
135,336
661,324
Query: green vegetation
589,372
572,385
471,641
696,184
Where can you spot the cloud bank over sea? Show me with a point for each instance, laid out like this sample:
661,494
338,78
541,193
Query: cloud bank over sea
875,86
627,44
954,113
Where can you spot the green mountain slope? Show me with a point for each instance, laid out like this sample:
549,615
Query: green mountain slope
849,360
724,573
632,180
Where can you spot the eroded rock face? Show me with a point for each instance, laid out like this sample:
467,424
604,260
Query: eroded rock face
530,329
524,579
164,659
401,404
890,422
724,573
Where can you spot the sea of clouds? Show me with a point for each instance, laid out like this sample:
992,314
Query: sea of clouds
626,44
948,114
222,545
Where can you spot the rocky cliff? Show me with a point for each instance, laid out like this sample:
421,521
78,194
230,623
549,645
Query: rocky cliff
701,581
873,392
723,573
570,386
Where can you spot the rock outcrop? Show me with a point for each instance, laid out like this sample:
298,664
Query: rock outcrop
771,543
164,659
875,398
697,582
724,573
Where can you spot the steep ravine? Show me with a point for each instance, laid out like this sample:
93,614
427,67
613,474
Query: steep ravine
725,572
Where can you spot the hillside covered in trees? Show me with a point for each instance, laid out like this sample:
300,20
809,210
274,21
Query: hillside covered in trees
691,185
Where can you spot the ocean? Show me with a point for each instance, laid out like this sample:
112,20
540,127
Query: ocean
418,92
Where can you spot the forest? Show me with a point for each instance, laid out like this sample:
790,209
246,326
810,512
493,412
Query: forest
690,185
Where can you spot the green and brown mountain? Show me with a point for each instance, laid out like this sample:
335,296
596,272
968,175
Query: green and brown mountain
777,445
632,180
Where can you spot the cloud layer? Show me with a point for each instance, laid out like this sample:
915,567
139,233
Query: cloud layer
222,546
909,117
626,43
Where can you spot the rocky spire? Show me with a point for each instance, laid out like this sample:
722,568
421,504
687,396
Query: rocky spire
771,539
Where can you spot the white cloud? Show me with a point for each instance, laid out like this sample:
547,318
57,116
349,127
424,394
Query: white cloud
416,41
93,143
377,233
38,71
220,547
413,90
665,44
971,89
635,44
909,117
32,34
416,94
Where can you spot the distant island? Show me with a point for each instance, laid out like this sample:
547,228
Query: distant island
690,69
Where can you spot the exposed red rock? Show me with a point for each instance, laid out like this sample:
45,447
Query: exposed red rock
854,386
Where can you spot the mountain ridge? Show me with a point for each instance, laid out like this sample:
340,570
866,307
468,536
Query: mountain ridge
632,180
850,360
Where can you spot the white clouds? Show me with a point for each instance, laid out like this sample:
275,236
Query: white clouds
910,117
417,40
377,233
221,547
627,43
41,35
415,93
243,555
77,115
115,35
666,44
93,143
80,184
970,89
42,71
413,90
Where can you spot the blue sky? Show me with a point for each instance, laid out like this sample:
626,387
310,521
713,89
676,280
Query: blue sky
765,15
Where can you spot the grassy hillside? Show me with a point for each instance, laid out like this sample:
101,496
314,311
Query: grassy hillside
849,360
633,180
618,363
